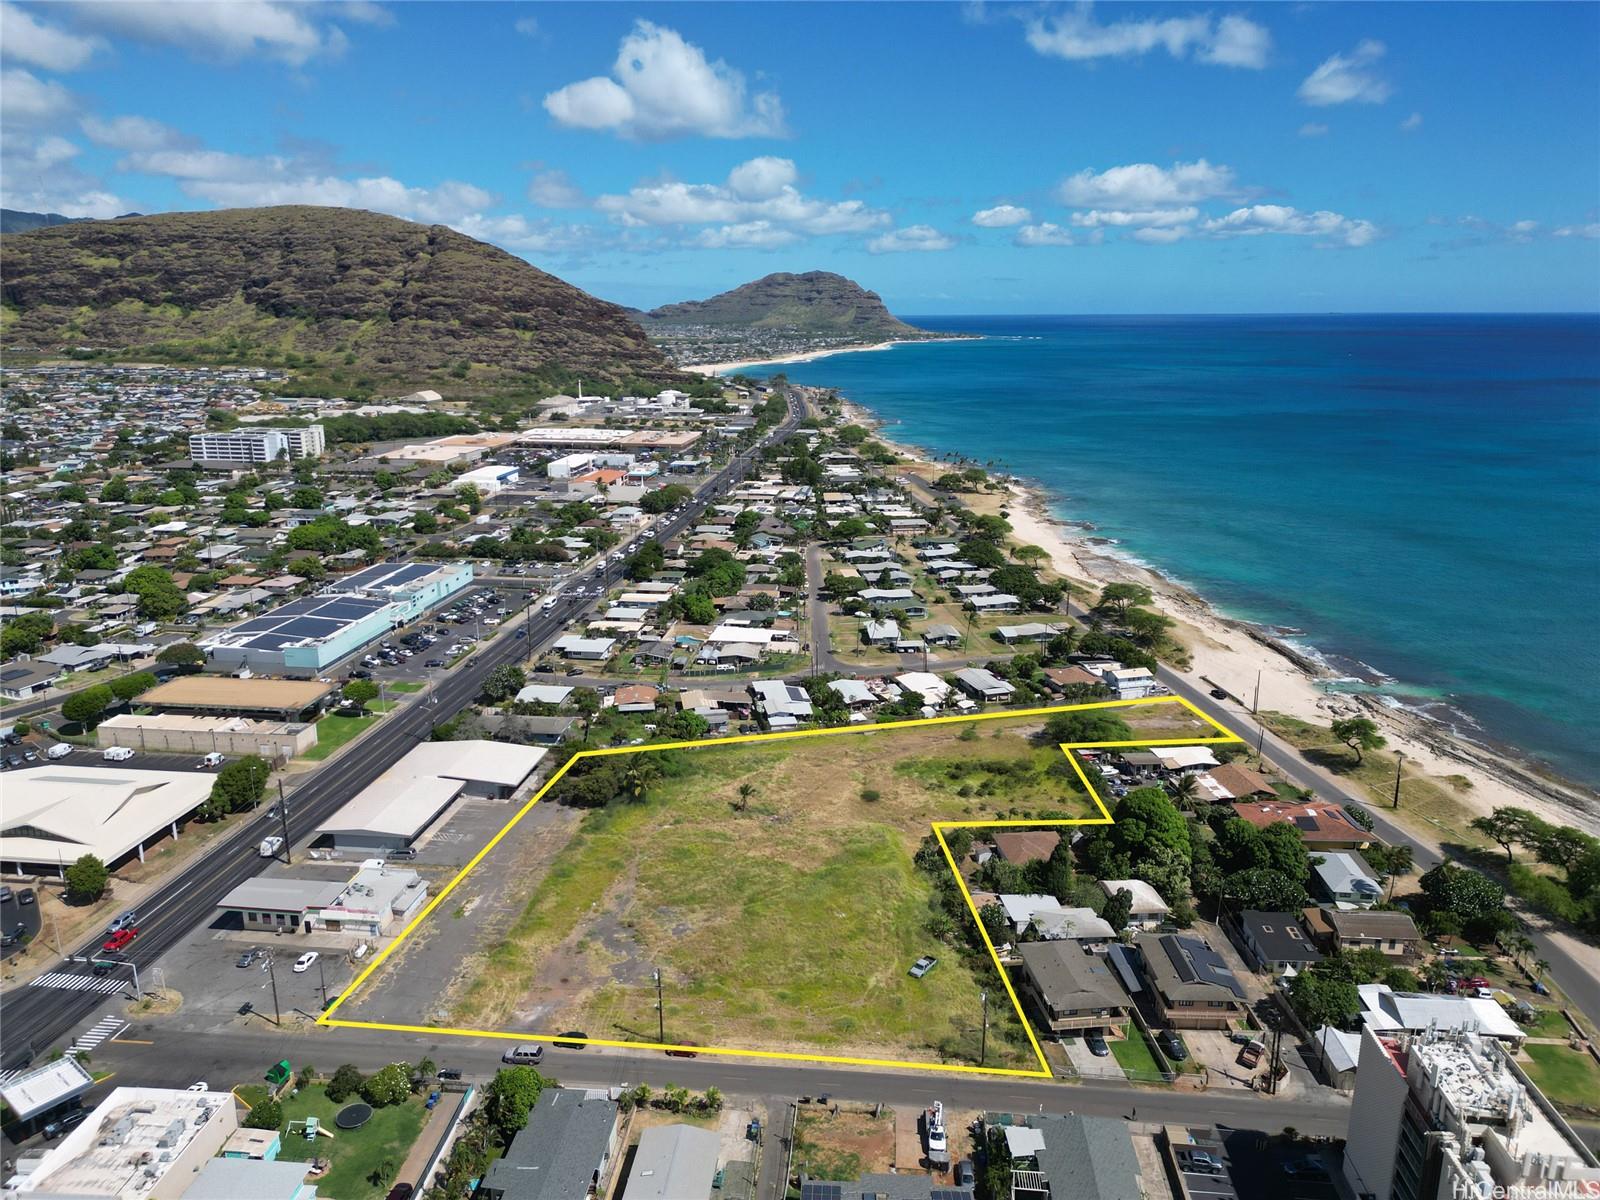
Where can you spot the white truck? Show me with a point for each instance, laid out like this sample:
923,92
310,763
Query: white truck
270,846
59,750
117,754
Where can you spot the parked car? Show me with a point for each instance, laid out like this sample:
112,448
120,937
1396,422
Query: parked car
403,852
1096,1042
248,957
966,1174
58,751
527,1054
565,1042
1305,1168
5,895
64,1123
449,1072
923,965
1199,1162
434,662
211,760
1172,1045
400,1191
305,961
14,934
115,754
27,896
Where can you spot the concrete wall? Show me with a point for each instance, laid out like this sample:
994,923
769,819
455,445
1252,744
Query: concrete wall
289,743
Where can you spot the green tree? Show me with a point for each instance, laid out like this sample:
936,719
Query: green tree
1119,907
504,682
86,707
509,1098
1118,598
346,1082
587,702
425,522
159,598
1359,733
1507,826
389,1085
1264,889
995,924
126,687
646,560
1471,897
360,692
1321,1000
182,654
87,878
1089,727
268,1114
239,786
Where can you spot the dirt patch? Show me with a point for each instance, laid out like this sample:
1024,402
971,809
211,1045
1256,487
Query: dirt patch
844,1143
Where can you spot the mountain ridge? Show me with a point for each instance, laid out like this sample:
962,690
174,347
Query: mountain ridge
812,302
350,298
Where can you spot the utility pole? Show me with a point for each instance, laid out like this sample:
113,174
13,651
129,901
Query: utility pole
661,1011
322,978
283,816
277,1017
983,1046
1261,742
1255,705
1399,762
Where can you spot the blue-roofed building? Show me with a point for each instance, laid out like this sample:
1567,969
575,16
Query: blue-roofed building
565,1149
309,634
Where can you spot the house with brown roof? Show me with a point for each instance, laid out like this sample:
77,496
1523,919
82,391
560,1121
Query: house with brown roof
1027,845
1241,782
637,698
1392,933
1323,824
1192,987
1070,989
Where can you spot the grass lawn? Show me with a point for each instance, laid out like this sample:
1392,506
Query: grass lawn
1568,1077
788,923
1133,1055
1550,1024
334,731
355,1153
383,706
406,685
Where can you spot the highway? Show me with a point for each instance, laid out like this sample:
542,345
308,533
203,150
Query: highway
34,1018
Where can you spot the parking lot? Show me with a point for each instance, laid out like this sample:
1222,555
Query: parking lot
93,756
19,922
405,656
1204,1166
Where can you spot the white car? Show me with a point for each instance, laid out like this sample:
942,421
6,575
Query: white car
202,1086
303,963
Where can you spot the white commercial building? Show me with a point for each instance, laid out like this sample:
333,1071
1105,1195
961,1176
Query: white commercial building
379,896
1450,1116
53,814
138,1144
489,481
257,445
395,809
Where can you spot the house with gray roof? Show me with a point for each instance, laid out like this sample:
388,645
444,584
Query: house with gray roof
878,1186
1070,989
565,1150
1193,988
674,1162
1072,1158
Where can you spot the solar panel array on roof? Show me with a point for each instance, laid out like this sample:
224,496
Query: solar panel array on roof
388,575
1307,823
310,618
1197,962
819,1189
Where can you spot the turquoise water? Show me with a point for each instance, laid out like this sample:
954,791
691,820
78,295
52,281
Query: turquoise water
1418,498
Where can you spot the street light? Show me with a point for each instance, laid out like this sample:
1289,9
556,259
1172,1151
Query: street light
661,1010
1399,762
983,1047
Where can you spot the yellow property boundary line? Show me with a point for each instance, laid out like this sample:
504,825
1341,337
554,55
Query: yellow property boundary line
1224,735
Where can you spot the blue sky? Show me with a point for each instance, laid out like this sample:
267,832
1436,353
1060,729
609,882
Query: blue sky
956,158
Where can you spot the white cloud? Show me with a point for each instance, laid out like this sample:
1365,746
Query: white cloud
761,189
912,237
756,235
1233,41
132,133
1044,234
27,100
1412,123
39,175
1161,237
1256,219
662,86
527,26
1342,79
1096,217
1591,230
555,189
226,29
29,40
1313,129
762,178
1145,185
1001,216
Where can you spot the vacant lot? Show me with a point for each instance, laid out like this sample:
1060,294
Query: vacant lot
773,885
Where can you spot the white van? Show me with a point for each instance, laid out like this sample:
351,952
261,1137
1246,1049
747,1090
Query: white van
270,846
59,750
213,759
526,1054
117,754
548,603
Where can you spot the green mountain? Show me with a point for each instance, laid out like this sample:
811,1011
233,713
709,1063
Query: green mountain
13,220
817,302
350,301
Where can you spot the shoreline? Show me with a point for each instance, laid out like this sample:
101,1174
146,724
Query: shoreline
1232,653
804,356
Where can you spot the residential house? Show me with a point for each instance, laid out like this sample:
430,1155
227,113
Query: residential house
1274,941
1024,846
857,696
1069,988
983,684
637,698
1032,631
881,633
1393,933
21,678
1190,984
1149,909
783,704
591,649
993,603
674,1162
1128,683
927,687
563,1153
941,635
1322,823
1231,781
1345,880
1070,1158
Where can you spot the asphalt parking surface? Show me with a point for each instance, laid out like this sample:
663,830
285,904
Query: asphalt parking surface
12,914
141,760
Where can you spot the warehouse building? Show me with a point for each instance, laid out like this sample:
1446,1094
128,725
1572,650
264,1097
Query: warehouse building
280,699
402,803
312,633
55,814
181,734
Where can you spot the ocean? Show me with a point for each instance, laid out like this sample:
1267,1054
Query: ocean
1415,499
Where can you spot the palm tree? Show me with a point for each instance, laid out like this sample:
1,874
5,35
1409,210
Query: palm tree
746,791
1185,788
1540,968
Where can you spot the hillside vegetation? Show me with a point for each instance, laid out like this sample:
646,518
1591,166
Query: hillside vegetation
817,302
350,300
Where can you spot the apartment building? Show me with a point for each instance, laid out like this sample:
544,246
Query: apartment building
257,445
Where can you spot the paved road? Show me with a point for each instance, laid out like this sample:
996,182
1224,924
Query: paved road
36,1017
242,1056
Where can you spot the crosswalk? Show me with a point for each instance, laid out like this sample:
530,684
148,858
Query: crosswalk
103,1029
104,984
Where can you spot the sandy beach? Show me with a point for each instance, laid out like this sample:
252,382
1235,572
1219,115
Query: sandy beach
724,368
1233,654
